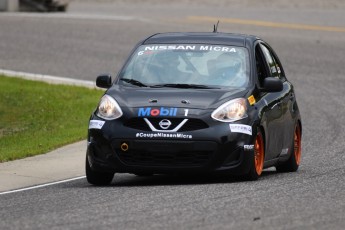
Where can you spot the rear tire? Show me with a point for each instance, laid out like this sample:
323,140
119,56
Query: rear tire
97,178
292,164
258,157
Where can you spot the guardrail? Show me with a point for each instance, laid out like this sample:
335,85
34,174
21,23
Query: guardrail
9,5
34,5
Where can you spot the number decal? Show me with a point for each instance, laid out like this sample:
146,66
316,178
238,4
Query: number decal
186,112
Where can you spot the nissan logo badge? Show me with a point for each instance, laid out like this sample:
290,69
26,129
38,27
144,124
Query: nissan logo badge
165,124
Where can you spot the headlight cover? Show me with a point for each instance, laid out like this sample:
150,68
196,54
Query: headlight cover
230,111
108,108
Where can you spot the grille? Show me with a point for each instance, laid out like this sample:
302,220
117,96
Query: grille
193,124
145,158
190,125
166,153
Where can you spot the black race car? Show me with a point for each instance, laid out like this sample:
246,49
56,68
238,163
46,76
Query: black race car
195,103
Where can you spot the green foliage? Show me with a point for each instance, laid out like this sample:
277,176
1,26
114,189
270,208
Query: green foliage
37,117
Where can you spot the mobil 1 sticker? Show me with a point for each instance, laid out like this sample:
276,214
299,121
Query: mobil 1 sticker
162,112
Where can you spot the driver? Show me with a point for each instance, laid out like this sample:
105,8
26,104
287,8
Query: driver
166,67
227,70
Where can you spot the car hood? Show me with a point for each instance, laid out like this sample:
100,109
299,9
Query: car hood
171,97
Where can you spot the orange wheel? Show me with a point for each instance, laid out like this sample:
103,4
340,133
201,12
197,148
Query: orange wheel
297,144
259,154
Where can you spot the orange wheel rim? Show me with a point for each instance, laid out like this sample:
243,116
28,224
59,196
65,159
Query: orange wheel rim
259,154
297,145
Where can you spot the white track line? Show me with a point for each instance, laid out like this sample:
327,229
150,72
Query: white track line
48,78
70,16
42,185
75,16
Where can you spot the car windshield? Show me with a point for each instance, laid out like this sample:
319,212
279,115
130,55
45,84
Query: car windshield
182,65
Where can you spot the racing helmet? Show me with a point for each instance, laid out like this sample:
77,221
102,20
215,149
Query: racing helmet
226,65
167,59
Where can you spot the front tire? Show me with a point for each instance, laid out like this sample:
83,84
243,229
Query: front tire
257,165
292,164
97,178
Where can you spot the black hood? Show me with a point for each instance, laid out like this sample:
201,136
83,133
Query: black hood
133,97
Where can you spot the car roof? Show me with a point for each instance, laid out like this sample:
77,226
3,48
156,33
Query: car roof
216,38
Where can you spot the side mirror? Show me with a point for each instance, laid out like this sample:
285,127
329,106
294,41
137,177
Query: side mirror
272,84
103,81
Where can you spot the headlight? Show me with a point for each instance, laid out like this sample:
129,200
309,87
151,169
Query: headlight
231,111
108,108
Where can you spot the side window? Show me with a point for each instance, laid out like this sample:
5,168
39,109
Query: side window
274,69
260,65
279,67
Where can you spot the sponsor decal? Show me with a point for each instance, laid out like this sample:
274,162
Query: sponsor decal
248,147
150,49
251,100
171,47
218,48
155,112
238,128
284,152
96,124
164,135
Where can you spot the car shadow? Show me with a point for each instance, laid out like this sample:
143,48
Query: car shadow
130,180
164,180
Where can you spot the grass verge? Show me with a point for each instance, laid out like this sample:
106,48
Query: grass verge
37,117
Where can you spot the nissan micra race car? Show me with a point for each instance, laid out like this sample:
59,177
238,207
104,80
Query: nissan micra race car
186,103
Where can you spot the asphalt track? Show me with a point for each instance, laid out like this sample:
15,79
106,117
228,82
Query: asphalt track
91,39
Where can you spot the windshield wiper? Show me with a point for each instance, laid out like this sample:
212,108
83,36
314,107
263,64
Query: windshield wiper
133,82
183,86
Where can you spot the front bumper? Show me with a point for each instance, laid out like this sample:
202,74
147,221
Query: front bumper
115,148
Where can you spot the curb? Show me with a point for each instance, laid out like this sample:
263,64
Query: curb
49,79
60,164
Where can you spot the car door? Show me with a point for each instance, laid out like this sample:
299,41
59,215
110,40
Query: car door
288,101
273,114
